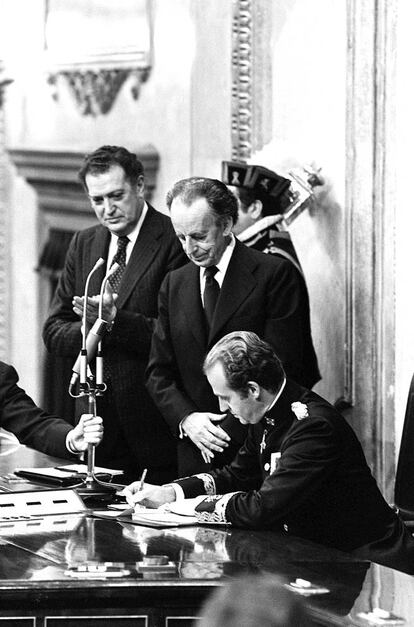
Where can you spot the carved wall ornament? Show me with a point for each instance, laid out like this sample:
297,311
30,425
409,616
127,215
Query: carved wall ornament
95,91
241,118
4,81
113,45
4,228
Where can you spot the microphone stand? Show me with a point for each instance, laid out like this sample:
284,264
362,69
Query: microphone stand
90,386
91,487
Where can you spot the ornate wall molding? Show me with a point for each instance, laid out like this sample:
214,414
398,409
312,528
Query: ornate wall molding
95,91
4,228
251,102
114,43
241,116
370,220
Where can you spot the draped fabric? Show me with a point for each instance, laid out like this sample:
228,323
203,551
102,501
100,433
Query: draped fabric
56,370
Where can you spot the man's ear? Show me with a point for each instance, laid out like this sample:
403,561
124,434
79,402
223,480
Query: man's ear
140,183
228,227
254,389
255,209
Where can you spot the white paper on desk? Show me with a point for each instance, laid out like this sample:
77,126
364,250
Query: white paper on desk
184,507
114,513
161,518
147,517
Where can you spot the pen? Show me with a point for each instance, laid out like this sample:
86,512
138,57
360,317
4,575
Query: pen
141,483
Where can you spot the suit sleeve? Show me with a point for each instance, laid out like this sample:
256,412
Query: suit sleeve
163,376
62,329
308,454
243,474
286,316
133,330
30,424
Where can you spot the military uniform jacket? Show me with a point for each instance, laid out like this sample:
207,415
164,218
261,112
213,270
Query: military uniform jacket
260,293
30,424
306,475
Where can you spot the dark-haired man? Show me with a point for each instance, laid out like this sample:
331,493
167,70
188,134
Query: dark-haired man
226,287
142,241
301,468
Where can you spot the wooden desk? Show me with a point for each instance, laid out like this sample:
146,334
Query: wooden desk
36,590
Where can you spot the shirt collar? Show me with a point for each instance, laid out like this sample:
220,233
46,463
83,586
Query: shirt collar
276,398
223,264
134,233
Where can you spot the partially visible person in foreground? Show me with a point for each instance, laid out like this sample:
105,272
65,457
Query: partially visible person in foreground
38,429
301,469
251,601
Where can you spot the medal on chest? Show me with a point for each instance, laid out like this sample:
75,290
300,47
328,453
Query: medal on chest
271,466
269,423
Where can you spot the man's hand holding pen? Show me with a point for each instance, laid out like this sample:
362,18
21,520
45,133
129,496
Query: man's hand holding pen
147,494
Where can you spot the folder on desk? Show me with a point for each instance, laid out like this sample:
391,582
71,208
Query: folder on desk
68,475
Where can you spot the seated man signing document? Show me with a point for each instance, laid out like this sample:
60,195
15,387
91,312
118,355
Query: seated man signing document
301,468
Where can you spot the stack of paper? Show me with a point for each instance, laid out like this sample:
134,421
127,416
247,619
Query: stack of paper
177,514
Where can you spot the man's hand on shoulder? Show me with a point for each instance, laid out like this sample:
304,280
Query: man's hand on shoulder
207,436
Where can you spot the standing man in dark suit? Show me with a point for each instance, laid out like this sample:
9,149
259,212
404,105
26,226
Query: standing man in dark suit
301,469
252,291
142,241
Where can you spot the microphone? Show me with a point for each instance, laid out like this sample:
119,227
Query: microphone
81,362
92,342
99,359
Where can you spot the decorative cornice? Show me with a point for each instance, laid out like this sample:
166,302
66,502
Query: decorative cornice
4,239
95,90
3,85
4,81
241,118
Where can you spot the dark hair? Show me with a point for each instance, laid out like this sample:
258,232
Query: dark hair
245,357
253,600
102,159
219,198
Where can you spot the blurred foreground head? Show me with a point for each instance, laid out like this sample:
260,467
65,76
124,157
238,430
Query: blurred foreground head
254,601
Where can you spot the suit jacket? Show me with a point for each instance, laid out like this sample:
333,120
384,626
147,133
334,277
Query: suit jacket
279,243
126,347
260,293
307,476
30,424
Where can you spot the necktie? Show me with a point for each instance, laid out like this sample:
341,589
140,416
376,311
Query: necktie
114,281
211,293
120,259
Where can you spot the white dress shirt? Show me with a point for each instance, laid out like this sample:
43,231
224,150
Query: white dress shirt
113,245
